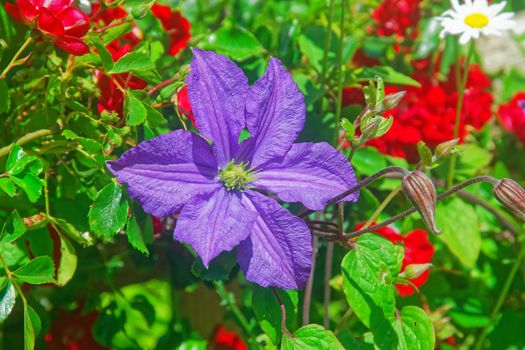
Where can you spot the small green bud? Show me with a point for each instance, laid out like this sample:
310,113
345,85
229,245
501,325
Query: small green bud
443,150
415,270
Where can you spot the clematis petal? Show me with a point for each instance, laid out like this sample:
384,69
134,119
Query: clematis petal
310,173
217,87
72,45
166,172
279,249
275,115
214,222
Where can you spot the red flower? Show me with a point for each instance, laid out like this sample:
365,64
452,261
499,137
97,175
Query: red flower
353,96
184,105
397,17
428,113
56,20
111,98
223,339
418,250
72,331
177,27
512,115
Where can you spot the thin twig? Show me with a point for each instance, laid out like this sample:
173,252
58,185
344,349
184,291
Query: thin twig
310,283
284,329
25,139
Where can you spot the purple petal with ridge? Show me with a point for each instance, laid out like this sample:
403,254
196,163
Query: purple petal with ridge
278,251
168,171
275,115
310,173
217,88
214,223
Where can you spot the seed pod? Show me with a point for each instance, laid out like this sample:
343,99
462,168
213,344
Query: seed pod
415,270
420,190
509,193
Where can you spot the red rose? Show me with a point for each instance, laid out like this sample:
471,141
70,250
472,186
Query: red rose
223,339
184,105
56,20
397,17
512,116
428,113
176,26
418,250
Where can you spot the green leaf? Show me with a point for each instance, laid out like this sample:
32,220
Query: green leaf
105,56
30,183
368,278
72,232
368,160
7,301
154,118
268,311
219,268
13,228
234,42
244,135
15,155
37,271
425,154
116,32
133,61
135,111
5,99
32,326
460,226
68,262
388,74
7,186
92,146
412,331
384,126
135,238
109,212
311,337
349,129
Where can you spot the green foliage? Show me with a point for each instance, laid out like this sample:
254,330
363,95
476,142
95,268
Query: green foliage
37,271
109,212
7,300
311,337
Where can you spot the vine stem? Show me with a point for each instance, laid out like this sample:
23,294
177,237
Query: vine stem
10,277
382,206
309,284
459,107
25,139
15,57
501,298
224,294
284,329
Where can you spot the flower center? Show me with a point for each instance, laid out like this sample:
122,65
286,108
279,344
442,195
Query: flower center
477,20
235,176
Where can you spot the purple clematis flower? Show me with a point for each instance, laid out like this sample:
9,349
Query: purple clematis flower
216,189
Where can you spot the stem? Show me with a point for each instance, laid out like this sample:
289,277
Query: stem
382,206
328,41
284,329
501,298
339,74
327,291
232,306
15,57
309,284
459,108
46,196
25,139
161,85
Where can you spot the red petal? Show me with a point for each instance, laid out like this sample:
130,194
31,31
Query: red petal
49,24
74,21
28,10
72,45
14,12
57,6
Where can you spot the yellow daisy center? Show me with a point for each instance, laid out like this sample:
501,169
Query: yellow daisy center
477,20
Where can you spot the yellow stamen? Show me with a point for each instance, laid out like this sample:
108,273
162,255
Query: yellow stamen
477,20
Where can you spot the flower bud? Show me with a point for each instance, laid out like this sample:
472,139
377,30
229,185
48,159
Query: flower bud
420,190
414,270
369,131
392,100
443,150
509,193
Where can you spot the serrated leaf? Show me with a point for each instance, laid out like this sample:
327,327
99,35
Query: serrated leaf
133,61
268,312
135,238
311,337
15,155
104,54
368,278
460,225
72,232
109,212
37,271
13,228
7,301
30,184
135,110
7,186
68,262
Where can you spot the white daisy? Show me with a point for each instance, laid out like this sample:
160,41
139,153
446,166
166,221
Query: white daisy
475,17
